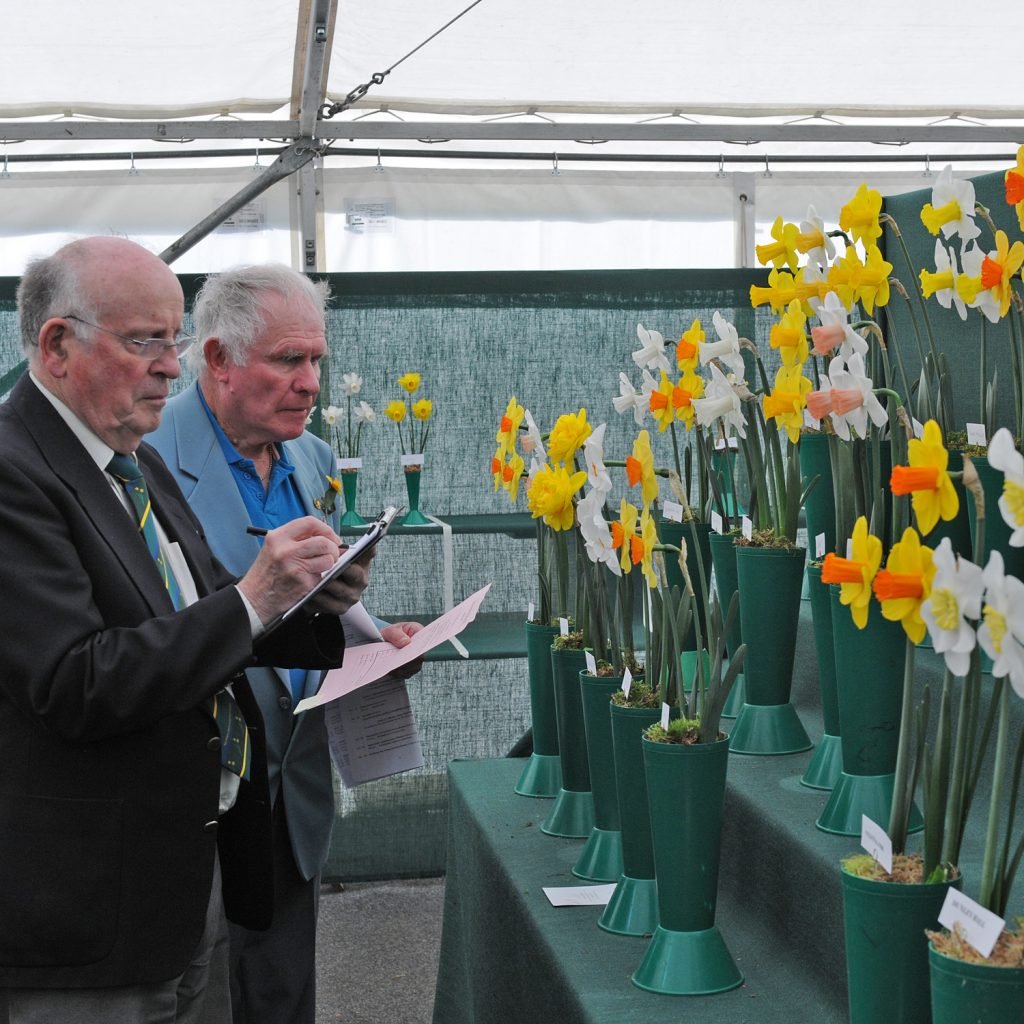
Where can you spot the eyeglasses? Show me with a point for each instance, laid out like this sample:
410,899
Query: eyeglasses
145,348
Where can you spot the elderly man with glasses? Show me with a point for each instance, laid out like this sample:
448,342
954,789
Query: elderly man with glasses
132,763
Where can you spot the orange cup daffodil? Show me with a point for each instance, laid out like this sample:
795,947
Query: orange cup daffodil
508,429
568,435
640,468
641,550
856,573
999,267
905,584
550,493
688,348
1014,181
624,532
926,480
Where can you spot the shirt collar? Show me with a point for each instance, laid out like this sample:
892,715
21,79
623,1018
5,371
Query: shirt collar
99,451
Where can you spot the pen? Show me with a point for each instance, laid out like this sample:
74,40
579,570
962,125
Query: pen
256,531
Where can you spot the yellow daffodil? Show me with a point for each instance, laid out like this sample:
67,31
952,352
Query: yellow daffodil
787,401
660,403
669,402
423,409
409,382
497,467
395,411
688,347
512,473
567,435
859,217
789,335
779,292
642,548
1014,181
998,267
640,467
550,493
873,286
335,484
623,532
781,252
933,495
951,210
690,386
905,583
844,276
508,429
856,573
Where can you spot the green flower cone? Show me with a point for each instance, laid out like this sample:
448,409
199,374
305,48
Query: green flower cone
542,776
827,763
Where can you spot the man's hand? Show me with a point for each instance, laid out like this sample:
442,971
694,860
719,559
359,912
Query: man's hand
340,594
293,559
399,634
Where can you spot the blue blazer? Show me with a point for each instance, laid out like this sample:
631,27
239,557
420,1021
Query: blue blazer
298,759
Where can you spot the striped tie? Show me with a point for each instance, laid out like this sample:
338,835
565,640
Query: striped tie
234,750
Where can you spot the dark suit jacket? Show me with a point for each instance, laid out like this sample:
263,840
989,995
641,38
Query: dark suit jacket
109,768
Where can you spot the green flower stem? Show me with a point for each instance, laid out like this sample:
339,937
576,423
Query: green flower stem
902,793
917,290
991,876
1015,355
562,572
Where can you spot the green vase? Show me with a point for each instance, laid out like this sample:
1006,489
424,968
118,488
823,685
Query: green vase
542,776
414,517
886,948
633,907
349,489
827,763
769,580
572,814
687,954
723,558
974,993
869,686
601,857
820,506
698,559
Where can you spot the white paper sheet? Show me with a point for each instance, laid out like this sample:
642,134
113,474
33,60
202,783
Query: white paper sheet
579,895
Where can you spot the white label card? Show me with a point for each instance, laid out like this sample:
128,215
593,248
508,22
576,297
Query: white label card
810,421
588,656
716,522
748,528
529,612
563,627
849,547
981,927
627,681
579,895
819,546
876,841
976,434
672,510
727,442
665,712
918,427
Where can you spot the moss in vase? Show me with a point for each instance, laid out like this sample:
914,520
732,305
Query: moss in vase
640,696
906,869
1007,952
571,641
765,539
680,730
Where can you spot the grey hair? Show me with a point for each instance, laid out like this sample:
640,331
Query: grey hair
50,287
230,306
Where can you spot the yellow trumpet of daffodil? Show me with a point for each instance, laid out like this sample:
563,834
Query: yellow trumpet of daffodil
640,468
550,495
688,347
779,292
782,252
859,217
905,583
873,286
508,429
788,399
395,411
933,281
789,335
409,382
568,435
997,271
926,480
934,217
856,573
623,532
844,276
1014,182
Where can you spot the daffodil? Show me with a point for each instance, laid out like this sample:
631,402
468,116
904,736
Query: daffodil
819,403
813,242
332,415
856,573
1014,181
779,292
942,282
497,465
1003,455
512,474
873,286
623,532
905,583
727,349
596,533
508,428
955,598
660,404
969,284
669,402
1001,633
532,442
859,217
423,409
998,267
835,330
364,413
550,493
926,480
690,386
567,435
787,400
688,347
335,484
642,548
651,354
782,251
853,398
351,384
789,335
409,382
640,468
951,210
844,276
395,411
593,457
720,401
630,400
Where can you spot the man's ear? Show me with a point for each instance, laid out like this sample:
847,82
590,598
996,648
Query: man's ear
53,346
216,357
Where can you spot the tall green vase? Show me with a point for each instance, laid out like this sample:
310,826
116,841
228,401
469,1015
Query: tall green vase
601,857
542,775
886,948
348,470
827,763
687,954
723,558
974,993
413,478
820,506
572,814
698,559
633,907
869,685
769,580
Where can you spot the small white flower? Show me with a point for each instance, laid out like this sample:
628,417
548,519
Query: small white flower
651,353
720,401
596,532
332,415
532,443
364,413
945,260
351,384
727,349
630,400
1003,455
1002,630
961,191
593,456
955,597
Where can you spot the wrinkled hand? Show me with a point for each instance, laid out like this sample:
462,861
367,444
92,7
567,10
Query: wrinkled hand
399,634
293,559
340,594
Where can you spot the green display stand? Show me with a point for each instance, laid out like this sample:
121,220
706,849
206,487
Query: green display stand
978,993
723,558
827,763
542,776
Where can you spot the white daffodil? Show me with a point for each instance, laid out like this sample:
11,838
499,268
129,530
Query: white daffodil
853,398
971,258
835,330
952,207
351,384
630,400
596,533
651,353
818,256
309,418
955,597
532,443
945,271
1003,455
1002,630
364,413
332,415
720,401
727,349
593,456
